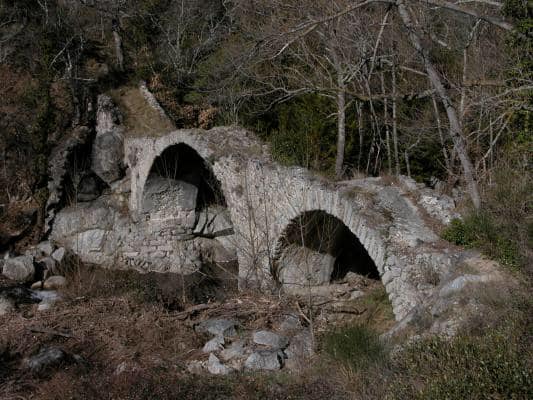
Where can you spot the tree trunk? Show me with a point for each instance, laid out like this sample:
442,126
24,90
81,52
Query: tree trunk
451,112
118,45
395,122
341,127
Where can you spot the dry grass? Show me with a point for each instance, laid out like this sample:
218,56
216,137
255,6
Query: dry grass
112,319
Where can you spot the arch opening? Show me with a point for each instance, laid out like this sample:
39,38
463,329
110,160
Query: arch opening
185,207
179,169
317,249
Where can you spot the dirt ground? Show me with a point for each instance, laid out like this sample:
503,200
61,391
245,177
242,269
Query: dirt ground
133,335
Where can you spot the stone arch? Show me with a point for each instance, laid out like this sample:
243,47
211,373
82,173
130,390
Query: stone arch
141,154
320,245
179,162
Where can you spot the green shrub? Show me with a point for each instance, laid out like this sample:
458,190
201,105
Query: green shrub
355,346
489,367
479,230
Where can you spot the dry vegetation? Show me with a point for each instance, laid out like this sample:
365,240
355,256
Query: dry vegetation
113,318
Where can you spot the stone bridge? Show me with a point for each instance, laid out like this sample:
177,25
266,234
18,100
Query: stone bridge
169,200
264,198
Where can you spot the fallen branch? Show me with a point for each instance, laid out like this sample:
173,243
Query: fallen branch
51,332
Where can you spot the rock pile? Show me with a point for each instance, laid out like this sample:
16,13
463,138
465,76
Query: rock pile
233,349
41,266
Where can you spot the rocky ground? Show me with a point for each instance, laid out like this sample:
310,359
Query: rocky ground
120,334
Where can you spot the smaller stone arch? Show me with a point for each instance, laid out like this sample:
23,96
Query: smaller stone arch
180,168
317,248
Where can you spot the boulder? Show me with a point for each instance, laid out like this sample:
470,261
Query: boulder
290,324
20,269
270,339
46,248
165,195
214,345
300,350
108,145
196,366
49,263
300,267
215,367
6,306
217,327
89,188
47,357
234,351
267,360
37,285
59,255
55,282
48,299
213,222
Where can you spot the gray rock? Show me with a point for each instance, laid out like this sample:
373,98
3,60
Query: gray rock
47,357
215,367
37,285
166,194
20,269
217,327
108,145
440,207
213,222
234,351
300,350
48,299
126,366
55,282
270,339
89,188
268,360
300,267
196,366
460,282
356,294
46,248
290,323
59,255
6,306
214,345
50,264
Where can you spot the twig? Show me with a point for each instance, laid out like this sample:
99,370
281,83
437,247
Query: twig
51,332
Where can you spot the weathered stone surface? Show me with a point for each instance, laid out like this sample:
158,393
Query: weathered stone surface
300,267
46,248
214,345
268,360
165,197
59,254
108,145
47,357
37,285
214,366
270,339
300,350
290,324
218,327
50,264
55,282
89,188
235,350
19,269
460,282
441,207
213,222
6,306
48,299
196,366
